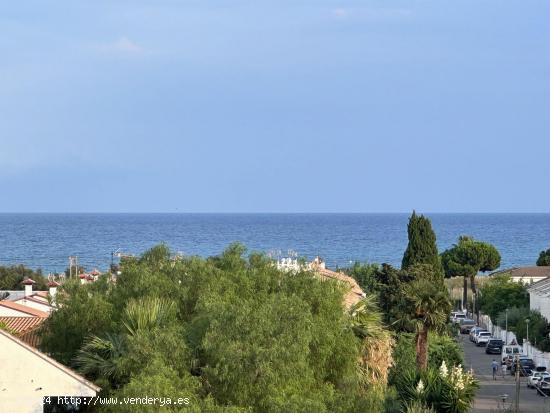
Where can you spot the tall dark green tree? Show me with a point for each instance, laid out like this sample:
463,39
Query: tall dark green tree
468,258
544,258
422,248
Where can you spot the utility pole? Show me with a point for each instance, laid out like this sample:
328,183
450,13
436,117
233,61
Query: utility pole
506,340
517,384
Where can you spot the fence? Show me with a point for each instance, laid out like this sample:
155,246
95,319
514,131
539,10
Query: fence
539,357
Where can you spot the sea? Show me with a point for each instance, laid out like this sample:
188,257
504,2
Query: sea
47,240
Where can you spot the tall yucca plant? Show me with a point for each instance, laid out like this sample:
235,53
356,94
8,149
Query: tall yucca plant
376,342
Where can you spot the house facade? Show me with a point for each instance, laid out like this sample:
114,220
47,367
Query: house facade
29,375
539,297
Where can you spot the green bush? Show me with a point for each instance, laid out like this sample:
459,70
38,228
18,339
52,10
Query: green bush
441,348
445,390
500,293
538,326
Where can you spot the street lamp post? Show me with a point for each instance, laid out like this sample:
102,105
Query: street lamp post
506,339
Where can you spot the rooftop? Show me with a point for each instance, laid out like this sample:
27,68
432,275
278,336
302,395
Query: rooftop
23,309
20,325
534,271
51,361
540,288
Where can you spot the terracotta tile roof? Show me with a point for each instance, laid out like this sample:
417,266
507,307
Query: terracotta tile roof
28,281
23,309
34,300
543,271
20,325
355,293
43,294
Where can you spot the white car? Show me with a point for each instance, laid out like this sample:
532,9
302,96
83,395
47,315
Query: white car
459,316
473,332
477,333
483,338
534,378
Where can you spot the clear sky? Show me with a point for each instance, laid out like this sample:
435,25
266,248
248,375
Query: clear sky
275,106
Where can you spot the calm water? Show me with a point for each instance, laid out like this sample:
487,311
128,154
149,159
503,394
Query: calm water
46,240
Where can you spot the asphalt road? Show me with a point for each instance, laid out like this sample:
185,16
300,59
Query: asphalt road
488,398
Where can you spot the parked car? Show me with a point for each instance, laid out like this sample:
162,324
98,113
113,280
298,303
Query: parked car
535,377
458,317
543,385
466,325
474,330
513,350
494,346
526,366
476,333
483,338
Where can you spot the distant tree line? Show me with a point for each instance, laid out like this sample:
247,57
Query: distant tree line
11,277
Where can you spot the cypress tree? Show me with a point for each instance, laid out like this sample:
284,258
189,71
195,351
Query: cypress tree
422,248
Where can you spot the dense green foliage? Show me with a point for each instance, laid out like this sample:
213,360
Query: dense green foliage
544,258
469,257
416,306
444,390
422,248
441,348
426,305
499,293
230,333
436,392
11,278
538,326
466,259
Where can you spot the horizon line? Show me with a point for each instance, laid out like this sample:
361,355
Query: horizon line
269,212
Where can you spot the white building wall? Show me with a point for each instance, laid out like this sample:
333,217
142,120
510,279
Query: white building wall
540,303
544,307
26,377
534,301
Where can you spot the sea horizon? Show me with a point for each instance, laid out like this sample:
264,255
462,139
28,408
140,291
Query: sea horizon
46,240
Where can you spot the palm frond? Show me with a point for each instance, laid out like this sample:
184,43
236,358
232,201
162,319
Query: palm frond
147,314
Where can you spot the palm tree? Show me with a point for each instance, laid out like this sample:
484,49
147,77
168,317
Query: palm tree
376,342
429,308
104,357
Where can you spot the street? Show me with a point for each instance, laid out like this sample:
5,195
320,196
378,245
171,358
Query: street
488,398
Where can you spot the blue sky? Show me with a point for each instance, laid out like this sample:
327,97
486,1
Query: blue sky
275,106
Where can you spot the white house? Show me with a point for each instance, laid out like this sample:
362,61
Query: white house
526,275
13,309
28,375
38,300
539,297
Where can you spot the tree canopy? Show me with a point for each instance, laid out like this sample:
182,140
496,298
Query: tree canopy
12,277
469,257
501,293
466,259
422,248
544,258
232,333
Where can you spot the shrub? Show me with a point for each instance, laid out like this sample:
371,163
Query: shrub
445,390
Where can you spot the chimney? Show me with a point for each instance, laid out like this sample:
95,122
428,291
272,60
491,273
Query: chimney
28,286
53,289
83,278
